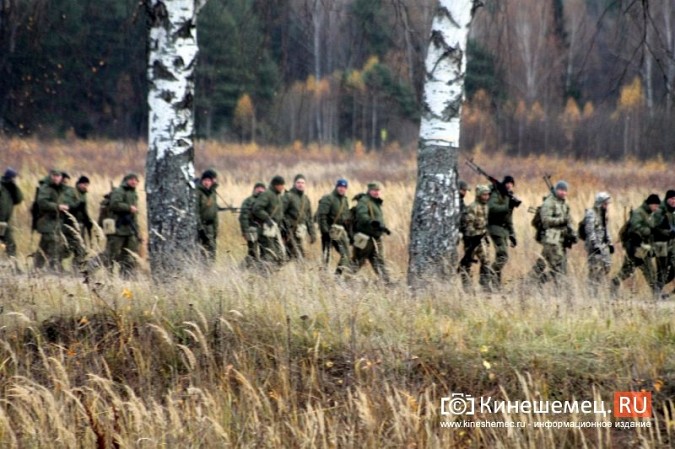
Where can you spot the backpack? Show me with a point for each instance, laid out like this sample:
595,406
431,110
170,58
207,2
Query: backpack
581,229
538,225
351,225
104,208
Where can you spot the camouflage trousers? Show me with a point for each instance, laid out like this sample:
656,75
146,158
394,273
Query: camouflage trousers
373,253
501,244
118,248
52,249
294,247
342,248
272,249
207,240
630,264
665,264
475,248
554,258
599,265
76,244
8,240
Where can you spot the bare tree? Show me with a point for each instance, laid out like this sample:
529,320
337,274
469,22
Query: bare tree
434,229
172,44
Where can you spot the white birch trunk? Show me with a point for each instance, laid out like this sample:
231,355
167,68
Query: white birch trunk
434,228
172,57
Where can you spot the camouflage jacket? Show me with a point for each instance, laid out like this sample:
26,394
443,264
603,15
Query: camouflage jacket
500,215
268,205
298,211
664,221
10,196
121,200
476,219
49,197
77,205
641,225
556,220
597,229
369,210
208,206
333,209
246,214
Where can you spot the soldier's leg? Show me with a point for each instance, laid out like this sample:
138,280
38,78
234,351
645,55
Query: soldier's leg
113,249
647,267
555,258
51,249
377,260
359,258
501,257
8,240
342,247
538,272
75,245
465,265
127,260
485,274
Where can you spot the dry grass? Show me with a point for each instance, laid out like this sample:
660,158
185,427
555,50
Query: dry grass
227,358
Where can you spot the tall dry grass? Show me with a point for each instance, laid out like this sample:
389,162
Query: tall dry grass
227,358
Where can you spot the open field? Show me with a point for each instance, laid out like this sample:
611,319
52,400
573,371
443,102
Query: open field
227,358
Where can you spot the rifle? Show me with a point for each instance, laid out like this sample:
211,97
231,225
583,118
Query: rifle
549,184
501,188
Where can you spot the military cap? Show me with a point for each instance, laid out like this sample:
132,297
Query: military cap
278,181
462,185
561,185
259,184
209,174
299,176
509,179
481,189
56,171
129,176
670,194
601,197
653,199
342,182
10,173
374,185
82,180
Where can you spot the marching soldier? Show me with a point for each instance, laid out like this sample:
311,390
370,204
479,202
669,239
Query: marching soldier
637,241
51,204
475,240
559,235
10,196
500,228
249,230
268,212
599,247
208,214
126,237
75,229
664,240
462,188
298,223
369,227
334,223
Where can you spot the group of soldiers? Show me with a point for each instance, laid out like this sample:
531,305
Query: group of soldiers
60,215
648,238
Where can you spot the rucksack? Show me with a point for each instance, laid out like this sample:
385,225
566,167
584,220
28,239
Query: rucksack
104,207
538,225
351,226
581,229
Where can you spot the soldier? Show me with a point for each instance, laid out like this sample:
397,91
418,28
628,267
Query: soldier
10,196
74,230
368,229
475,240
637,240
664,240
207,204
298,222
500,227
462,188
334,224
559,235
51,204
268,212
599,247
249,228
126,238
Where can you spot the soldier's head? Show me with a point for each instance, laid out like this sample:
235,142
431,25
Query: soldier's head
56,177
9,175
462,187
258,188
670,199
278,184
374,189
653,202
602,200
482,193
561,189
208,178
65,178
130,180
509,182
299,182
82,184
341,186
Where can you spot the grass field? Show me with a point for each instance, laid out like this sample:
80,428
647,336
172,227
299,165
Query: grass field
226,358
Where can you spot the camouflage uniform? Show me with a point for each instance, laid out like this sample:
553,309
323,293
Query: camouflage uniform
73,232
638,245
10,196
500,228
369,220
208,220
269,207
475,241
598,243
249,228
334,210
664,242
53,246
126,237
559,234
298,222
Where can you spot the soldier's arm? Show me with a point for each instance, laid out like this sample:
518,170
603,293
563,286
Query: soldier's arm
592,237
661,226
117,204
308,220
259,208
322,214
45,202
244,215
17,194
640,225
550,216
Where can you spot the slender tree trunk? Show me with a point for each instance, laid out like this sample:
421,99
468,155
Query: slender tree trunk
434,228
172,220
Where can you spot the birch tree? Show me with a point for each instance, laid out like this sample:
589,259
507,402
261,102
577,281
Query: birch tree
172,57
434,228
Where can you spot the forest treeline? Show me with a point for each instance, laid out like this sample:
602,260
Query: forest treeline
576,77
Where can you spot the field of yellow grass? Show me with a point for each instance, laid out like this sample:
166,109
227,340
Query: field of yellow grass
228,358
